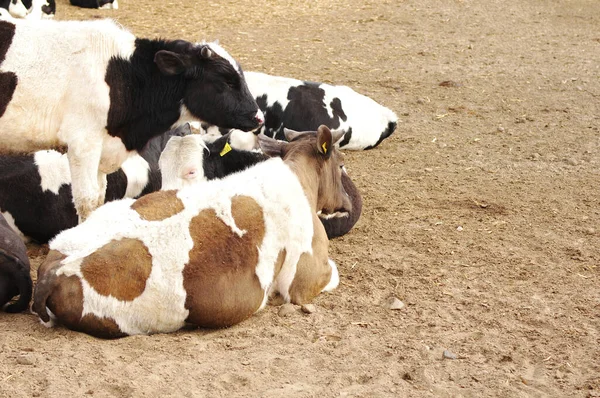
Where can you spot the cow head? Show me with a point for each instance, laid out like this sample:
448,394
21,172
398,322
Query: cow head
318,164
216,90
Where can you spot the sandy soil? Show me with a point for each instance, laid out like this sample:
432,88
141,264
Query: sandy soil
481,213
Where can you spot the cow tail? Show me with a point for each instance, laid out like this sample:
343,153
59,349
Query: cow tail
24,285
43,289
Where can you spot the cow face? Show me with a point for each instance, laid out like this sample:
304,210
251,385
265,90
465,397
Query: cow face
316,151
216,91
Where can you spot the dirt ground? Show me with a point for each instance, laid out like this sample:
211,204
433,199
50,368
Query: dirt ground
481,213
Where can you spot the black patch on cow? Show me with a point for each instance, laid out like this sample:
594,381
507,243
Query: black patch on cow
8,84
145,102
307,110
391,127
346,138
336,107
90,3
14,270
8,80
217,166
7,32
340,226
49,9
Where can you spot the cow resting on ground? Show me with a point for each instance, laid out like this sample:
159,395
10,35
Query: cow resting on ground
14,270
303,106
188,161
209,254
104,93
102,4
35,190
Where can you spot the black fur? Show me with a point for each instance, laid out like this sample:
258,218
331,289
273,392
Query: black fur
217,166
8,80
14,270
146,93
41,215
90,3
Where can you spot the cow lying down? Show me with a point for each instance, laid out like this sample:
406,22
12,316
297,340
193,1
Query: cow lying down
190,160
209,254
303,106
35,190
14,270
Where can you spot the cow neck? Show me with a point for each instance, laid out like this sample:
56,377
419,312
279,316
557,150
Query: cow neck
306,172
143,102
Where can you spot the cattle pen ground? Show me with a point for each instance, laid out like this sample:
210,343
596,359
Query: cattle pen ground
481,213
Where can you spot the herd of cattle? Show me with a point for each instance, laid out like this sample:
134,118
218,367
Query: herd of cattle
150,225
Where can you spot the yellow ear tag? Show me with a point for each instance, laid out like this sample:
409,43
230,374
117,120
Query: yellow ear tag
324,146
226,149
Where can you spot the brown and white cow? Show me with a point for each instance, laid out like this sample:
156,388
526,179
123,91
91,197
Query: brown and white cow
209,254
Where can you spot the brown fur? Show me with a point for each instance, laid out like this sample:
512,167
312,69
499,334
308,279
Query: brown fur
312,271
158,206
66,302
119,269
220,280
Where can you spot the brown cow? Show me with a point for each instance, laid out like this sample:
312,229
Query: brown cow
209,254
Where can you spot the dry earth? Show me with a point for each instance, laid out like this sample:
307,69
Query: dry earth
481,213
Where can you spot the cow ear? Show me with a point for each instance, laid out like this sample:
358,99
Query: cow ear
324,140
270,146
170,63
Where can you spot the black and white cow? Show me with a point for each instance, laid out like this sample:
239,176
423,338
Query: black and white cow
29,9
96,88
303,106
102,4
35,190
14,270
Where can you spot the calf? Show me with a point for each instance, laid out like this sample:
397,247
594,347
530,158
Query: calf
188,160
208,254
112,96
303,106
35,190
14,270
102,4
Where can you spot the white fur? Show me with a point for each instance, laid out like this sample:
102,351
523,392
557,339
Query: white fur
69,105
335,277
137,171
17,10
243,141
5,15
53,168
161,307
110,6
214,46
180,162
367,118
35,12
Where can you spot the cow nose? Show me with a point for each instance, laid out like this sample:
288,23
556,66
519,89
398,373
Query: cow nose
259,117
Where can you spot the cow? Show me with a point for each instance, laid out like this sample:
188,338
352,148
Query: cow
188,160
209,254
35,189
14,270
101,4
96,88
29,9
303,106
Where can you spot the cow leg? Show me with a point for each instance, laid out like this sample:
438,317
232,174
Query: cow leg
102,188
85,179
314,272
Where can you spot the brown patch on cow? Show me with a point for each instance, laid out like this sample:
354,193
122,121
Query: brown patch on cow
119,269
313,271
220,278
158,205
66,303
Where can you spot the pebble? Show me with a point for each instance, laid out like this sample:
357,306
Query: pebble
571,162
459,228
501,129
286,310
448,355
308,308
24,361
394,303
